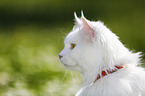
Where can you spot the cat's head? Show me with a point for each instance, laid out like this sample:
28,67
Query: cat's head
91,44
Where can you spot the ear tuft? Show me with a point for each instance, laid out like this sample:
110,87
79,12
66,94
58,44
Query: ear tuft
82,14
78,21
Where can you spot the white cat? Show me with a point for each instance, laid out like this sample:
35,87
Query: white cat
107,67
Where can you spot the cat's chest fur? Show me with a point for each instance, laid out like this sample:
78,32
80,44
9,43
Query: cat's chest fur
121,83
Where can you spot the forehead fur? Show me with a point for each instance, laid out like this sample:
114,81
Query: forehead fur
72,37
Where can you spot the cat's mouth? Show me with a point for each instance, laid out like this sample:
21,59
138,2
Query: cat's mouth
68,66
71,66
65,65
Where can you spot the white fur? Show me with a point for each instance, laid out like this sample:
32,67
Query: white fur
91,55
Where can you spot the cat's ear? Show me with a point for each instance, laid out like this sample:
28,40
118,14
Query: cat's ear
87,31
77,20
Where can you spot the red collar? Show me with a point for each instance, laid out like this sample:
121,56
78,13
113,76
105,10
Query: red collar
104,73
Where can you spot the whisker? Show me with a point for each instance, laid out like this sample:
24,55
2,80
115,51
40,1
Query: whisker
65,74
76,75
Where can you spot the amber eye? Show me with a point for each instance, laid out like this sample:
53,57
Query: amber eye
73,46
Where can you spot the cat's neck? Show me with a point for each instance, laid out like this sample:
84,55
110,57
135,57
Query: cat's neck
91,76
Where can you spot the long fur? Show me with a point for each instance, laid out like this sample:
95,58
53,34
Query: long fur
97,49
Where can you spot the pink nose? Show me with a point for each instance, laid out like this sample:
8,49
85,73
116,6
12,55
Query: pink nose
60,56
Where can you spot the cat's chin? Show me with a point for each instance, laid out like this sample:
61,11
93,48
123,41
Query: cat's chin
68,65
71,67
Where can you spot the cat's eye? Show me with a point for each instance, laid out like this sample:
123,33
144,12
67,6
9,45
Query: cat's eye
73,46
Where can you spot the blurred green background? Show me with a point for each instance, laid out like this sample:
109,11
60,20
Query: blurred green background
32,34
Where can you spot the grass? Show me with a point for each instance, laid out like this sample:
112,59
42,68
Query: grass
29,64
